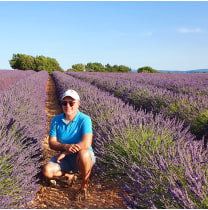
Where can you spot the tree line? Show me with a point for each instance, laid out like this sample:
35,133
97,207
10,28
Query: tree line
98,67
39,63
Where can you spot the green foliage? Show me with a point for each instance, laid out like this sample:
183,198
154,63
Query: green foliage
117,68
108,68
98,67
23,62
199,126
123,68
77,68
38,63
95,67
47,64
146,69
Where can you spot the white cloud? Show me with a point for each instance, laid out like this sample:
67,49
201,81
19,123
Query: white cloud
189,30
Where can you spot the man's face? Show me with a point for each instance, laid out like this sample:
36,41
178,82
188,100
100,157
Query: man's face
71,107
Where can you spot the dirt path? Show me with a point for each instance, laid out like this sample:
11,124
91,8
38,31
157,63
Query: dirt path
61,197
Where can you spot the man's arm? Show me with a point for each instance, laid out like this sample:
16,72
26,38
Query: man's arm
86,142
71,148
56,145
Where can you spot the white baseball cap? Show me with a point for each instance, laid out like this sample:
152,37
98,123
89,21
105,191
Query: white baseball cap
72,93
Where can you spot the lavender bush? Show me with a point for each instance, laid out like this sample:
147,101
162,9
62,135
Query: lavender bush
175,95
22,128
153,159
8,78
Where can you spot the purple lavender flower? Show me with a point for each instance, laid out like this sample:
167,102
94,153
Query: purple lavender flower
22,129
154,159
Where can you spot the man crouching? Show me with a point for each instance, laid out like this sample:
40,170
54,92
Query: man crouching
71,134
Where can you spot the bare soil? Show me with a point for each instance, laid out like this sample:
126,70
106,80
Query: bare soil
60,196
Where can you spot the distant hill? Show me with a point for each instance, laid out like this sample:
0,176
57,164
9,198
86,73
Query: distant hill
189,71
178,71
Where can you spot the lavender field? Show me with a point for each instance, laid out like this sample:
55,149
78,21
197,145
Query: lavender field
183,96
153,157
22,129
148,134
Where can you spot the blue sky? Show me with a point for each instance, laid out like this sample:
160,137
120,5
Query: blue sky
166,35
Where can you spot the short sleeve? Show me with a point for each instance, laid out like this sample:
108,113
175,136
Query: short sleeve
53,128
87,125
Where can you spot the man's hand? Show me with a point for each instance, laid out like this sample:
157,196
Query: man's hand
72,148
60,157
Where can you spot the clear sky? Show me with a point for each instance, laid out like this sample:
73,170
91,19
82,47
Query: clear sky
166,35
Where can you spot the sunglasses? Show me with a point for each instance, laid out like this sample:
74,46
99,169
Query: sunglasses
71,103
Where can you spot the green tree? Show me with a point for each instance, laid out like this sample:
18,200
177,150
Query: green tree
54,65
146,69
117,68
48,64
108,68
123,68
22,61
77,67
39,63
95,67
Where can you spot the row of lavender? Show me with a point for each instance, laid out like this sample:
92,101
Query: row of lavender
9,78
184,83
22,128
175,95
154,160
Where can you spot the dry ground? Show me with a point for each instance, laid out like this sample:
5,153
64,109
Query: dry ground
60,196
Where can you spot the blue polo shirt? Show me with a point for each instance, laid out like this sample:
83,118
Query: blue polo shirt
73,132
